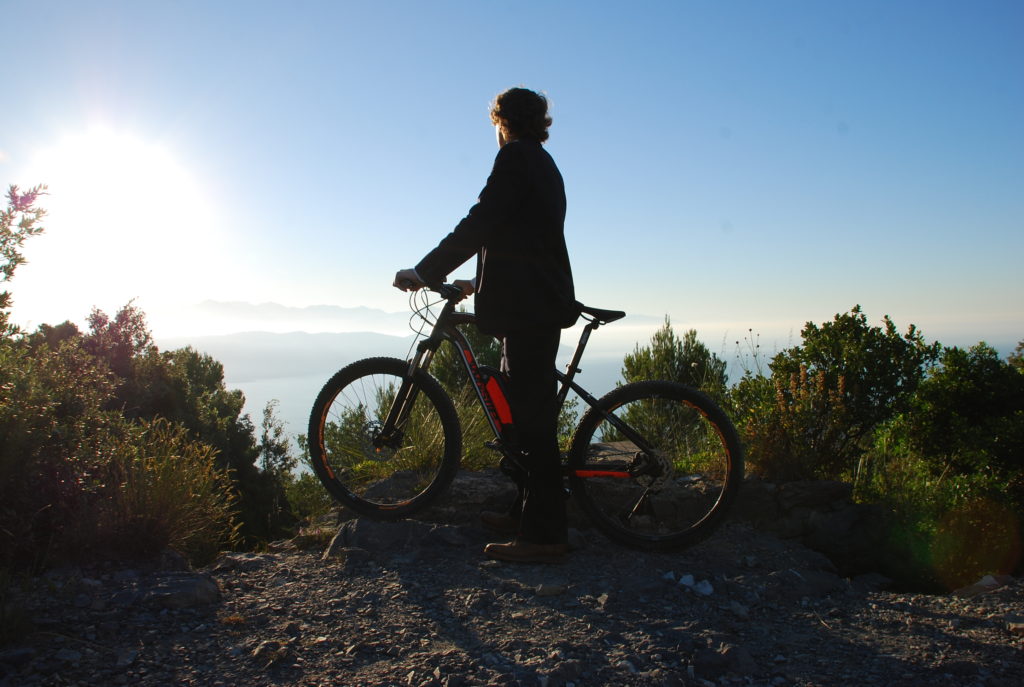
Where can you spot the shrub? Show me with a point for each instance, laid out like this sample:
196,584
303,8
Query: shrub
159,488
816,414
791,426
50,403
685,360
968,415
951,469
307,497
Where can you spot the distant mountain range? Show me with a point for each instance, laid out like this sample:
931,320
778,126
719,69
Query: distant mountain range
237,316
251,356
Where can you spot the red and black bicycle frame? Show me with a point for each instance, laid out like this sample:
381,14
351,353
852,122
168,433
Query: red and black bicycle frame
490,389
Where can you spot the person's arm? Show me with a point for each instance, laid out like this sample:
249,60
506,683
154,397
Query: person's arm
499,198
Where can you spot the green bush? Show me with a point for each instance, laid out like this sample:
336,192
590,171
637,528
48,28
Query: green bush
307,497
791,427
968,415
948,529
816,414
685,360
50,404
950,467
159,488
66,482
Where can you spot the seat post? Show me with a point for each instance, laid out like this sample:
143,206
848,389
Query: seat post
572,368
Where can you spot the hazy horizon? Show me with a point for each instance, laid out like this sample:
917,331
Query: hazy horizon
291,366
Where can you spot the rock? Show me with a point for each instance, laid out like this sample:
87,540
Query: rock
183,590
271,652
17,657
988,583
170,560
793,584
813,494
446,535
852,537
756,502
126,657
704,588
384,538
68,656
338,549
739,610
871,582
470,493
710,664
245,562
739,661
544,589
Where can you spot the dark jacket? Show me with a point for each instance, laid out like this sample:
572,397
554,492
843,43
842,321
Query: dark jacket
516,229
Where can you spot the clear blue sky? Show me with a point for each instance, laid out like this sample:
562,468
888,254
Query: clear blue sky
734,165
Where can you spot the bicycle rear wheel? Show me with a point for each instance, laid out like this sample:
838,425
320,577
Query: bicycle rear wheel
383,476
655,464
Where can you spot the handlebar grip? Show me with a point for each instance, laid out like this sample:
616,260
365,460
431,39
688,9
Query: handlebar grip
448,290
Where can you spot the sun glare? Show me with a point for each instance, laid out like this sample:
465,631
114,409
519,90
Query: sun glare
127,220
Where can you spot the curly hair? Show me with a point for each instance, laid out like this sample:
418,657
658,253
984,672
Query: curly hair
522,113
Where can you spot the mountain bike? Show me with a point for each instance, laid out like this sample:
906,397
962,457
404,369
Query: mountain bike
654,464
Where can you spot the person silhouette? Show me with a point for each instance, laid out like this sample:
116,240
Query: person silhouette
524,295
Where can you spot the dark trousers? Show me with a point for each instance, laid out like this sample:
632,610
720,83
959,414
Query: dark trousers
528,358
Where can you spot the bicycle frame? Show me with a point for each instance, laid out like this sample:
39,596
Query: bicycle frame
489,391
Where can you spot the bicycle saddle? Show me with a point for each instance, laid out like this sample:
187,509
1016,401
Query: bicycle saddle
602,316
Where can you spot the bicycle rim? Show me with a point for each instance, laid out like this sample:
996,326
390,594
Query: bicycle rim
388,476
664,477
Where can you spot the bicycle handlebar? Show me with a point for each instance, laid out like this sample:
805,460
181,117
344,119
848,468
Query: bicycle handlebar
446,291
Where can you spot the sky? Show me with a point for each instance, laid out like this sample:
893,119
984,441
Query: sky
741,167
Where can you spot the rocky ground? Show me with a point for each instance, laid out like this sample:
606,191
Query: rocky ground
415,603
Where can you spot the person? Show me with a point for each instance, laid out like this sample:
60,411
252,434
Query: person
525,297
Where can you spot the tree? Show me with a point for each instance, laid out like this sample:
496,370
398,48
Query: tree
275,454
687,361
18,221
1016,358
119,339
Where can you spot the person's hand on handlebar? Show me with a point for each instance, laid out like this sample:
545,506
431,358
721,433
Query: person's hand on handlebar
466,286
408,280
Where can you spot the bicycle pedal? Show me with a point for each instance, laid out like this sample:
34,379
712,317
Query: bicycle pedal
494,446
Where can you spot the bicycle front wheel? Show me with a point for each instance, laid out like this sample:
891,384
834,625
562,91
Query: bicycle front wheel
384,472
655,465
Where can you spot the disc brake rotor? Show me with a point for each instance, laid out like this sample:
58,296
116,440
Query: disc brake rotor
651,470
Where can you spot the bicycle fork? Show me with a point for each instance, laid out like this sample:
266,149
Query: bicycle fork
401,406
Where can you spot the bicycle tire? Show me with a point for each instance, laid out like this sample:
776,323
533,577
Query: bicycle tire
392,481
671,497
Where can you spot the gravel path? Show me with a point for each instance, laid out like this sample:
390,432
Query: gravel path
416,604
